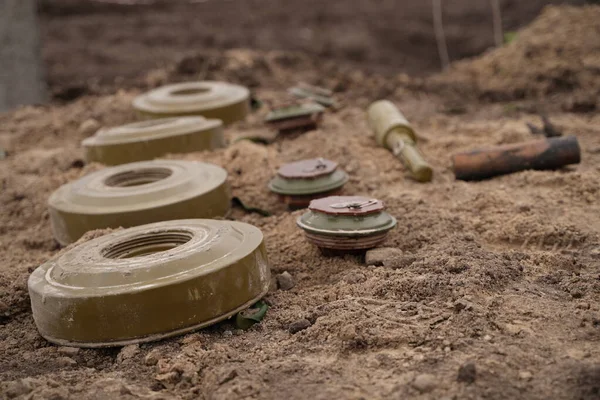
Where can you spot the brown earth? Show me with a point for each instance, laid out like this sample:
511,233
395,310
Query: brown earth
503,274
541,66
93,46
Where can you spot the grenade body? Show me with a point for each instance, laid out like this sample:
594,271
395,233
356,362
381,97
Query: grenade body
393,131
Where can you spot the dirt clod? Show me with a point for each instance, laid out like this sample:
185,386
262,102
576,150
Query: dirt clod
65,362
152,357
19,388
467,373
89,127
285,281
169,379
191,338
229,377
383,256
4,309
128,352
299,325
68,351
525,375
461,305
425,383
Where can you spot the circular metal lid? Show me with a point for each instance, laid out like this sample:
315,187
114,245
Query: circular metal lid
307,177
346,216
136,194
149,282
211,99
307,168
346,205
152,129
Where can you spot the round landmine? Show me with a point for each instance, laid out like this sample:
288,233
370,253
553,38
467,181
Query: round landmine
219,100
148,140
137,194
300,182
149,282
306,116
346,223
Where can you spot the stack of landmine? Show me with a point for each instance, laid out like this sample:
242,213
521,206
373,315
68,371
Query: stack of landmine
175,268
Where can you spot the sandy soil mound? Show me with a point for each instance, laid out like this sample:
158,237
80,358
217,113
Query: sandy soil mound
495,295
558,55
96,46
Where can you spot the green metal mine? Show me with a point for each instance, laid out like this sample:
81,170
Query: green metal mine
299,182
346,222
294,111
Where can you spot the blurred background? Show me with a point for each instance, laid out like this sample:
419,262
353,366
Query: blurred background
92,46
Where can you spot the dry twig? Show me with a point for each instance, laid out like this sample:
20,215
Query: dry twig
439,33
497,15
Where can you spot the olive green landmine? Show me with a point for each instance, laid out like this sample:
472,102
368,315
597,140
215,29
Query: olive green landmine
394,132
294,111
137,194
295,116
346,223
319,94
300,182
149,282
148,140
210,99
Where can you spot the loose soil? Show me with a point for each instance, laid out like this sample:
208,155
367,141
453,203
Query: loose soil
495,295
95,46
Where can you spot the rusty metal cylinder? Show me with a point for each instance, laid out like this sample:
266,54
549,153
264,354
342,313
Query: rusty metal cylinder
543,154
393,131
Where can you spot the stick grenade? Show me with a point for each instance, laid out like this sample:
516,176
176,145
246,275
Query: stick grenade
542,154
394,132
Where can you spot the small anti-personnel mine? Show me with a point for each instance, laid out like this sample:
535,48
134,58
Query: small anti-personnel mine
346,223
394,132
300,182
296,116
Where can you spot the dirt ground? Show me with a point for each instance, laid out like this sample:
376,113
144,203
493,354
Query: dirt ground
93,46
496,293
